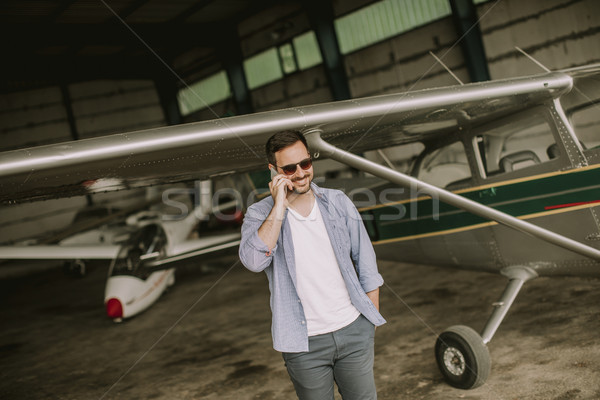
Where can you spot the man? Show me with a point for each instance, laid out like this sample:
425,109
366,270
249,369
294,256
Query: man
320,263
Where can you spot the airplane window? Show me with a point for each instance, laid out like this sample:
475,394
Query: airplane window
445,166
518,144
402,156
586,127
585,122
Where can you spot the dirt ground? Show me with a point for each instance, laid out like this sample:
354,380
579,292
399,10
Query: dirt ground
209,337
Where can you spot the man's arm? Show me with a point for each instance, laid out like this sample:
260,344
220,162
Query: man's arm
270,229
374,296
260,233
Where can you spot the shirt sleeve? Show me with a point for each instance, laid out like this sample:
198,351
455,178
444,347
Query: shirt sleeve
254,253
362,252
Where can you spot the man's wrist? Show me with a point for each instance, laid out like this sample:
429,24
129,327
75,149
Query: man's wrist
278,210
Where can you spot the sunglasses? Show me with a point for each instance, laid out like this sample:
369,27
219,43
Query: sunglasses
290,169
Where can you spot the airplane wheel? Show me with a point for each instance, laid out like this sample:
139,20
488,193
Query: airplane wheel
462,357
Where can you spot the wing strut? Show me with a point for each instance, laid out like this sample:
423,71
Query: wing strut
317,144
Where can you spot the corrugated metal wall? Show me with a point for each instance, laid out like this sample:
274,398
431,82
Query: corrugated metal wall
559,34
32,118
39,117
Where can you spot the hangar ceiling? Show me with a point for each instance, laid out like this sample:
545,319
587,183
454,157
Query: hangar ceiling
50,42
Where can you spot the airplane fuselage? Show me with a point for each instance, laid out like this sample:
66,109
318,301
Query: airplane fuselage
430,232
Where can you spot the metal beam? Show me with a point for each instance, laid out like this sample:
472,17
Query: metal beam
167,93
110,34
68,104
316,143
320,14
465,19
188,12
232,60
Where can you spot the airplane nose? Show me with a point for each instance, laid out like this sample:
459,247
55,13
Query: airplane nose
114,308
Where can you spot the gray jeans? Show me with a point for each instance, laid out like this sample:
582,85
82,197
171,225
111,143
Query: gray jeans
344,356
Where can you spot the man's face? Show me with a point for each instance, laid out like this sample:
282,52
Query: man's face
293,154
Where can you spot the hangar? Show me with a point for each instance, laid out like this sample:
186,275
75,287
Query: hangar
76,70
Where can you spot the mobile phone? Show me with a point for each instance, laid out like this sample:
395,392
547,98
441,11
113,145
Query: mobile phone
274,173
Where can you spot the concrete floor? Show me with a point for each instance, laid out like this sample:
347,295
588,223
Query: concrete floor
209,337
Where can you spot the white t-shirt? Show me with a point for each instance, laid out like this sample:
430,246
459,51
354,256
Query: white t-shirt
319,282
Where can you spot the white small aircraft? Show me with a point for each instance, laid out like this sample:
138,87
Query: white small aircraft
141,251
504,208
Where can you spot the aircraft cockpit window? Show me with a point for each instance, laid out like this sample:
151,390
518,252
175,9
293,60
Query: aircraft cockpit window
517,145
586,121
446,165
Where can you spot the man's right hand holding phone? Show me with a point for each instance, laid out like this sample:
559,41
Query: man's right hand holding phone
269,230
279,187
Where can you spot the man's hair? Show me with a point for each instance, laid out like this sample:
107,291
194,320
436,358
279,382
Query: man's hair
280,141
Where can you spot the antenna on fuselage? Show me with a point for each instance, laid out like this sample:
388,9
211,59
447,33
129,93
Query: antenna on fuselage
445,67
532,59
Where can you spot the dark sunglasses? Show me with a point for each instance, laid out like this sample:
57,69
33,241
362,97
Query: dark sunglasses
290,169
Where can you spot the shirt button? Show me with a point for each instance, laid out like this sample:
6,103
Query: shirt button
303,322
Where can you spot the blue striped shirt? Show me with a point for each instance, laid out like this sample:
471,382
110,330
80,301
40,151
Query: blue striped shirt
353,251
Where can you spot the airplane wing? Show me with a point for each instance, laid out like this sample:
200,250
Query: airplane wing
211,148
198,247
177,252
59,252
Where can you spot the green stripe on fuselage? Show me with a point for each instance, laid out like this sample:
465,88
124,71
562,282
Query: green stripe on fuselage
531,196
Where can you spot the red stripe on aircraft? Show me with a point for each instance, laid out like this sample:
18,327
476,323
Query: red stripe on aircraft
570,205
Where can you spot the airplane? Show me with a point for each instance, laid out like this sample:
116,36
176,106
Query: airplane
488,159
142,248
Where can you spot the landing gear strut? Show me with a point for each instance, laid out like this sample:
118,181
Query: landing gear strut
461,353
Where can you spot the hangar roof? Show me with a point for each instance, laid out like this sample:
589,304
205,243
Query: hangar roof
48,42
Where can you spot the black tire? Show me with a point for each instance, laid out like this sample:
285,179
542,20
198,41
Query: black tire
462,357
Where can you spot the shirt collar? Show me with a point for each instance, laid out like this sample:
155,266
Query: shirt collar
316,190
